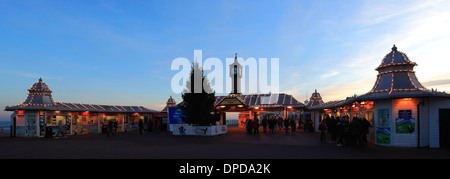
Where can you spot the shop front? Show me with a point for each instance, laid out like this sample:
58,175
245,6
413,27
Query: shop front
85,123
39,115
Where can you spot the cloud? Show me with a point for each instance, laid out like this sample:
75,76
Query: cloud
330,74
29,75
437,82
419,29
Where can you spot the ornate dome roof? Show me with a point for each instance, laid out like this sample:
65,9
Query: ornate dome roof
39,95
171,101
396,73
39,87
315,99
395,59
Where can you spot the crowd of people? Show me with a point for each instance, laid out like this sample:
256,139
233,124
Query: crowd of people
342,132
272,123
333,129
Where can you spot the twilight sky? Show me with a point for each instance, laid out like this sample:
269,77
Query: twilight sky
120,52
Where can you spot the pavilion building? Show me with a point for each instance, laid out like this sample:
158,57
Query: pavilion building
40,112
315,99
401,110
250,106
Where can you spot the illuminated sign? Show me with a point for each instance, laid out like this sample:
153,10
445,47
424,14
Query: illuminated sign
230,102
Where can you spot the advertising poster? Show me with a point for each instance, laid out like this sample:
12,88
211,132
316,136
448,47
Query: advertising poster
383,118
31,126
383,135
383,132
405,125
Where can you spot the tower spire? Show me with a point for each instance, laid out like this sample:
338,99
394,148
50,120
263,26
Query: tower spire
236,75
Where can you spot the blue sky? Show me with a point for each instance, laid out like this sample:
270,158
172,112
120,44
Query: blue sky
120,52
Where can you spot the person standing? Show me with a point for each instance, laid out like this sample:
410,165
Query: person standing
249,126
141,126
332,131
286,125
340,126
323,132
264,124
256,126
365,130
115,125
271,125
280,122
293,125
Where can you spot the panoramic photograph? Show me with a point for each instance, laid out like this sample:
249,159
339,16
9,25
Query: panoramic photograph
243,81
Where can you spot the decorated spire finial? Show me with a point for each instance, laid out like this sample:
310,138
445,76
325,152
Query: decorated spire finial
394,48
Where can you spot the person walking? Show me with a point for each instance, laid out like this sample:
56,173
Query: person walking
110,129
61,129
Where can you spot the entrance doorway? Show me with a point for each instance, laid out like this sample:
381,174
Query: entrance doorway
444,128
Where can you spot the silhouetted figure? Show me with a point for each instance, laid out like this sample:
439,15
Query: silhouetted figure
141,126
110,129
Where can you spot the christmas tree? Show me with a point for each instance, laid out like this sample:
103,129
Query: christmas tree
198,107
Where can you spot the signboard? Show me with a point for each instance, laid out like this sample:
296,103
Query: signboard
405,124
185,129
175,116
404,113
230,102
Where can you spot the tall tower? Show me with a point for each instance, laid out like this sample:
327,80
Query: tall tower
236,75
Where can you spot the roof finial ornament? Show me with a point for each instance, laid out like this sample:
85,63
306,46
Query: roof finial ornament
394,48
235,56
40,79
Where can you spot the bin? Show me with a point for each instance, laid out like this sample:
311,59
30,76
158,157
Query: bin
48,132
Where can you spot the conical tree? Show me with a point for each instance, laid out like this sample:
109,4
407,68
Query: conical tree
199,107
